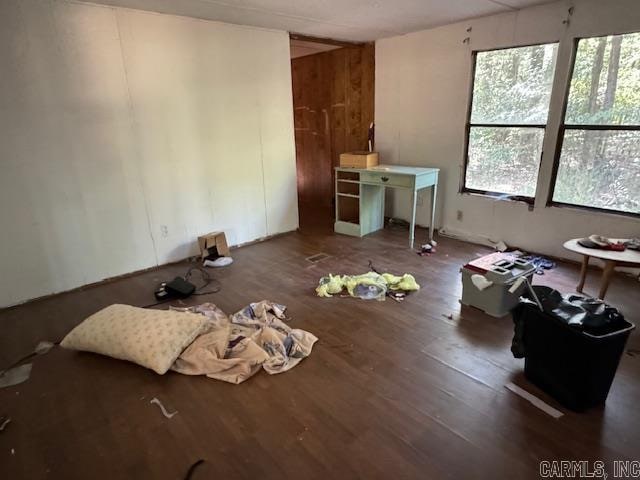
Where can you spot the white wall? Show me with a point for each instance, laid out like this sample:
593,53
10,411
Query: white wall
422,93
125,134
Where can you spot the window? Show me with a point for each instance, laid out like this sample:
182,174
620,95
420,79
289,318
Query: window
598,164
508,115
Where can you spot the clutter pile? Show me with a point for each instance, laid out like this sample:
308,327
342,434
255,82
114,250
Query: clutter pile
234,348
214,250
604,243
541,263
427,249
368,286
19,372
200,340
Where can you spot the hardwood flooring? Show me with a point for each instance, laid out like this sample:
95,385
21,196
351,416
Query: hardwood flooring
391,390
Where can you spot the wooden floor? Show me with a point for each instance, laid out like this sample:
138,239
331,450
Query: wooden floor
391,391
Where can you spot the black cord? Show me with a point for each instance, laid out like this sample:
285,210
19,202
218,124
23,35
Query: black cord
372,268
158,303
192,469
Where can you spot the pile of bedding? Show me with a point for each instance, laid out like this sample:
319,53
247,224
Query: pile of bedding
199,340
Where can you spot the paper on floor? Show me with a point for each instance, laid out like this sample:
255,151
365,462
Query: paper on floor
15,376
545,407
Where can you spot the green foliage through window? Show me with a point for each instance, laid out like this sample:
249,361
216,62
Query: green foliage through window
510,106
599,165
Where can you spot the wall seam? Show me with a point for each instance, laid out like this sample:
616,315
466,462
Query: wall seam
134,130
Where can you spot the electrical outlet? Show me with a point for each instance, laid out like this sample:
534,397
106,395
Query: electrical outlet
164,231
459,215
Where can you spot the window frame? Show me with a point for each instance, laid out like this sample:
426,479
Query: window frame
563,127
489,193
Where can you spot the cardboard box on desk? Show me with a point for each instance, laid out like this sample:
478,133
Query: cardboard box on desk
214,239
359,159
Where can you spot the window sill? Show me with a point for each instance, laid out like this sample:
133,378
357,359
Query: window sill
593,210
503,197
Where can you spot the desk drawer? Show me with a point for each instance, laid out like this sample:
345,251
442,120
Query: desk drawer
384,178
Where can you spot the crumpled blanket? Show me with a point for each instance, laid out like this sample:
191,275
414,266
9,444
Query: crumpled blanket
234,348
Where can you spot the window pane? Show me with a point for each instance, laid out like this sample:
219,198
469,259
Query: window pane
504,160
513,85
605,88
600,168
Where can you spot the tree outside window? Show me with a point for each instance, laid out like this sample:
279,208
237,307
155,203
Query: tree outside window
508,116
599,161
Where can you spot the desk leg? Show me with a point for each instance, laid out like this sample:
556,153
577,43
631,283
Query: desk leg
609,267
434,194
412,227
583,273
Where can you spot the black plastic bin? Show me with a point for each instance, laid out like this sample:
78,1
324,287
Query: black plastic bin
574,367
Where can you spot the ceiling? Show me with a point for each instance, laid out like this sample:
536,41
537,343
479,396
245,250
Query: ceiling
350,20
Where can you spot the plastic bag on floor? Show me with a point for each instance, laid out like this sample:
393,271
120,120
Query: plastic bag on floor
368,286
329,285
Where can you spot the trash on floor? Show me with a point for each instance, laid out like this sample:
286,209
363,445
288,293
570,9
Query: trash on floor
368,286
541,263
192,469
237,347
4,421
15,375
43,347
213,249
162,409
200,340
397,296
427,249
542,405
501,246
218,262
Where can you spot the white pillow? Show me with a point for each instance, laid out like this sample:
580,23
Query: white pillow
151,338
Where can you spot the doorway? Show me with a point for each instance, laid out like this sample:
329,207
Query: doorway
333,101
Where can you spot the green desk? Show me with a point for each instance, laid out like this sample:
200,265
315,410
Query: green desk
360,196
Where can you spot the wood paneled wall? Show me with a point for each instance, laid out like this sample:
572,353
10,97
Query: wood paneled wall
333,100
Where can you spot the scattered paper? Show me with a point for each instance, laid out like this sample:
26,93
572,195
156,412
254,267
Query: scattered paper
43,347
15,376
545,407
501,246
4,421
164,410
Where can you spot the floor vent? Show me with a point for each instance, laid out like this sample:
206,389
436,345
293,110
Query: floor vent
318,257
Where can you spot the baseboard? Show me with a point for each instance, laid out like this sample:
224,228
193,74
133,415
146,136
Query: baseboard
106,281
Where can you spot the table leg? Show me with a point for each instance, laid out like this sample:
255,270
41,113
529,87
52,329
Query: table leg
412,228
434,195
609,267
583,273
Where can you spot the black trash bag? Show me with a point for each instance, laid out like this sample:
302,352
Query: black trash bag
586,314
